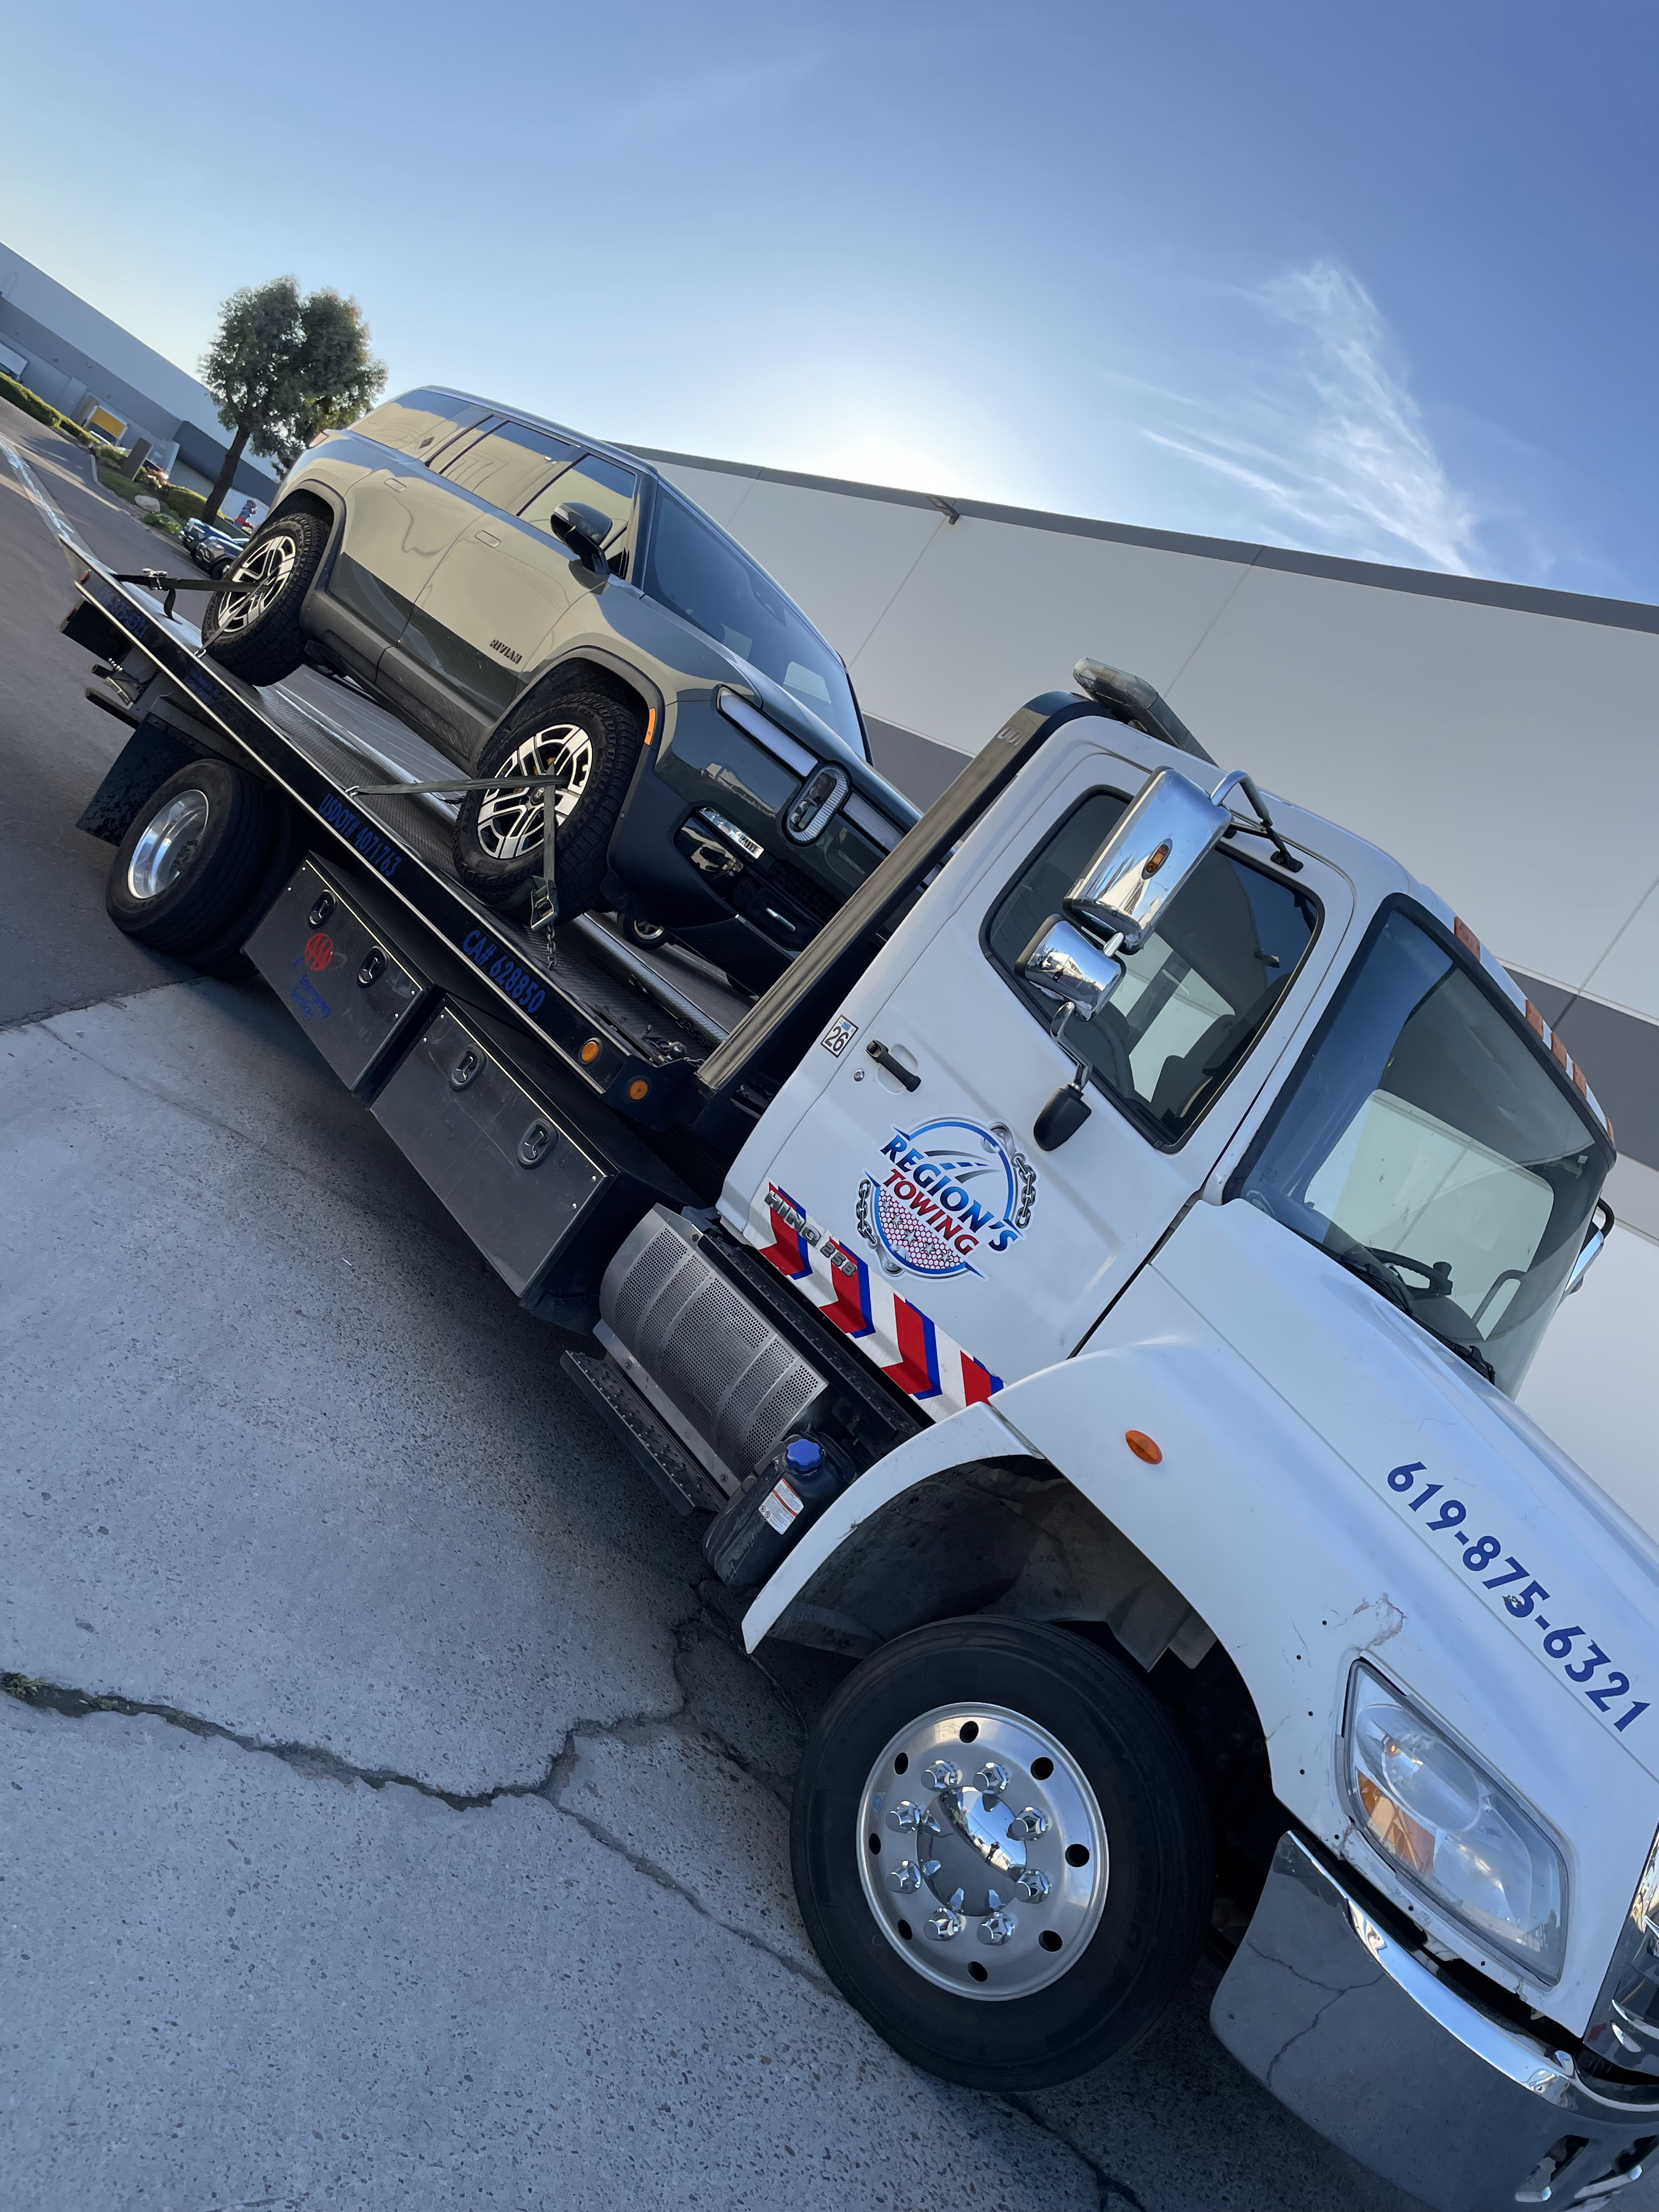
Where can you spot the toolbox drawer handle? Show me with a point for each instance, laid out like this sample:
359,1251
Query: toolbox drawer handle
537,1142
321,911
372,968
465,1069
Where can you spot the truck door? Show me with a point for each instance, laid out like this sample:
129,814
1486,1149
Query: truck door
485,621
910,1200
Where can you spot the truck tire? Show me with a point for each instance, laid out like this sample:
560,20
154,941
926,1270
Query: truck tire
590,742
193,862
251,625
1001,1852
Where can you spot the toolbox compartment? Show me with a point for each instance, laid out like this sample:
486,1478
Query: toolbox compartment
355,992
513,1170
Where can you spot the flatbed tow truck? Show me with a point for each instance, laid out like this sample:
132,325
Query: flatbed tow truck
1087,1293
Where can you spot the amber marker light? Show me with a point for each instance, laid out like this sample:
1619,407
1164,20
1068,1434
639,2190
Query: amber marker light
589,1052
1143,1446
637,1088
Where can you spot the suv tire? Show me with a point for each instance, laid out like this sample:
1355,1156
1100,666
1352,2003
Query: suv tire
194,861
591,742
1027,1987
251,625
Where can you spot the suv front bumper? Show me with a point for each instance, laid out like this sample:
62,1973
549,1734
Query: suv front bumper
1364,2041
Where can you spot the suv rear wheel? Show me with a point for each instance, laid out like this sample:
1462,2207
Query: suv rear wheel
251,625
588,743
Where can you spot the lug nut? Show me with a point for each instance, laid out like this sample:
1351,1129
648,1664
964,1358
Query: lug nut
991,1780
941,1774
944,1924
905,1877
904,1815
1031,1822
1033,1885
997,1928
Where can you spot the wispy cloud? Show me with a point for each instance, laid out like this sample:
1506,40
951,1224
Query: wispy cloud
1319,430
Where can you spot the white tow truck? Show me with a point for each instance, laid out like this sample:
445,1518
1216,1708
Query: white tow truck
1087,1293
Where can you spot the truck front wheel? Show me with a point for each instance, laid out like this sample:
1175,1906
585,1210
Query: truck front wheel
1001,1852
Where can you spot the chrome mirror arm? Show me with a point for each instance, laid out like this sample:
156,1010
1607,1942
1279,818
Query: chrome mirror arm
1594,1244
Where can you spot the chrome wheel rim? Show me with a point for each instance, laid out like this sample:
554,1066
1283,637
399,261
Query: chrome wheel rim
254,583
510,821
168,844
982,1852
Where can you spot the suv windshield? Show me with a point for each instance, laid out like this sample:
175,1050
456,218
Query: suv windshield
698,571
1427,1145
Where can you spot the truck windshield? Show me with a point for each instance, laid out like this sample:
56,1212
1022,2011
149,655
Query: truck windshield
698,571
1427,1145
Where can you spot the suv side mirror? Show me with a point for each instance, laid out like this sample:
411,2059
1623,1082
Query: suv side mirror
584,530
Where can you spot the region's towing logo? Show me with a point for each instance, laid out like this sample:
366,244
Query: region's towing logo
946,1193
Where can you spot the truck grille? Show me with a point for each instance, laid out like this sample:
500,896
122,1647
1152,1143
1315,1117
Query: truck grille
709,1355
1624,2029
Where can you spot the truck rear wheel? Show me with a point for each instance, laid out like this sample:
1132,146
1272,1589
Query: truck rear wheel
1001,1852
588,743
251,625
194,861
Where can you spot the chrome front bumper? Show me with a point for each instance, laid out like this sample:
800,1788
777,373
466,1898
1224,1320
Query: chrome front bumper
1364,2041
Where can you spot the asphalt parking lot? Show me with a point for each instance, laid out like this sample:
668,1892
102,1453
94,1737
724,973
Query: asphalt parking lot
394,1820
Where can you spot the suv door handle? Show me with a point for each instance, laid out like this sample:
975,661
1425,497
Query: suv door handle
896,1067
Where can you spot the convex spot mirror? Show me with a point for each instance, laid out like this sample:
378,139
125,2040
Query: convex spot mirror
1064,964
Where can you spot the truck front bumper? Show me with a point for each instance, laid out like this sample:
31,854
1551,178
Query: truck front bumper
1364,2041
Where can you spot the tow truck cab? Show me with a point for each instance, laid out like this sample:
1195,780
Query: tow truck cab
1217,1366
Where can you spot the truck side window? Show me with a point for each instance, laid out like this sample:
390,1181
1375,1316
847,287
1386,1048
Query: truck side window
506,465
1196,995
421,422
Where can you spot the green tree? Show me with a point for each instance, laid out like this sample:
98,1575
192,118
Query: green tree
282,368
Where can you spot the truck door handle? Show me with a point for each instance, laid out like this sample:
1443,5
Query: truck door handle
878,1051
484,538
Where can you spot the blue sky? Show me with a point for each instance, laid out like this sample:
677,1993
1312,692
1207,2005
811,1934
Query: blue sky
1377,282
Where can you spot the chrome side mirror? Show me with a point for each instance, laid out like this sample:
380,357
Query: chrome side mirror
1591,1249
1149,856
1071,968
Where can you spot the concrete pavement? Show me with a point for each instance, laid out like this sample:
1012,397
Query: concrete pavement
429,1848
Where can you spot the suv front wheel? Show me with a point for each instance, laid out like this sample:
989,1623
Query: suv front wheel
585,743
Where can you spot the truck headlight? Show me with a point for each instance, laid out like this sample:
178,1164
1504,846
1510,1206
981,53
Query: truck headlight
1453,1829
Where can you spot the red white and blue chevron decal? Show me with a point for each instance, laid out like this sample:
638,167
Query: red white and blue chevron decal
926,1364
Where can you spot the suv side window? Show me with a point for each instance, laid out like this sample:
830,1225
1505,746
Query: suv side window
421,422
507,463
594,482
1197,995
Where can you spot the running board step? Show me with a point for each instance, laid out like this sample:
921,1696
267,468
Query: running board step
686,1487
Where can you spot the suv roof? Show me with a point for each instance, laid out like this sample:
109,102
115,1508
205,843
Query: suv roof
546,423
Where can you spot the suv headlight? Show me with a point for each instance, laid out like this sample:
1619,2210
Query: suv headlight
1453,1829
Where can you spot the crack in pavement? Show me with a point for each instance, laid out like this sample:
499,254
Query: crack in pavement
317,1764
1107,2184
